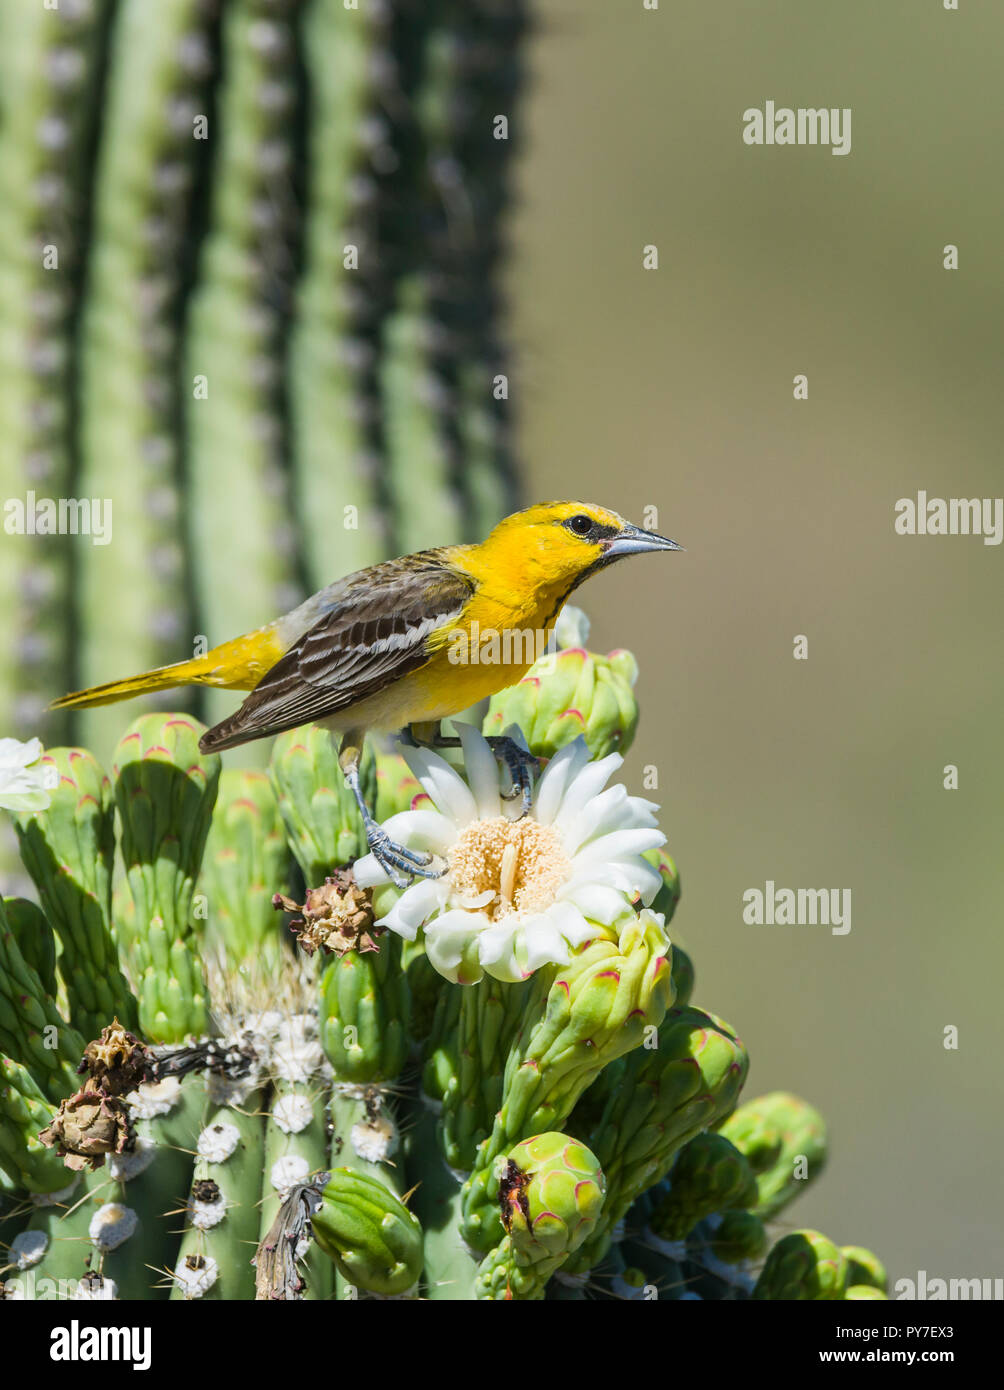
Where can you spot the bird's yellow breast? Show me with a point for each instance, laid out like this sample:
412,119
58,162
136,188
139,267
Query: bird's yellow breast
491,647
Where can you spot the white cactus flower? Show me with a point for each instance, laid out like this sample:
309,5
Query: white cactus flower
519,891
22,776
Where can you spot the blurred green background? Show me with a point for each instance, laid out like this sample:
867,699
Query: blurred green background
673,388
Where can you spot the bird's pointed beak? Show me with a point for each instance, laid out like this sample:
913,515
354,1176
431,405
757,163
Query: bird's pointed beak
634,541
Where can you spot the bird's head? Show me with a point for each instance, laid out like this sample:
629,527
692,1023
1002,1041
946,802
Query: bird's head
565,542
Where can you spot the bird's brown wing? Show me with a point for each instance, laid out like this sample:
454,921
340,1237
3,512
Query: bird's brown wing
375,632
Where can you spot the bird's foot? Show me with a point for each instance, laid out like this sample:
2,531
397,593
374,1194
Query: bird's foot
521,766
397,860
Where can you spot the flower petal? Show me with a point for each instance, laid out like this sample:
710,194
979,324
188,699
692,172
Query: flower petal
14,753
587,784
22,777
482,770
422,828
448,790
631,876
600,816
560,772
414,907
448,942
497,950
620,844
368,872
598,901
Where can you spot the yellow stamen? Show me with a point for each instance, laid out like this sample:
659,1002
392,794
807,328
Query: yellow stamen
522,862
507,875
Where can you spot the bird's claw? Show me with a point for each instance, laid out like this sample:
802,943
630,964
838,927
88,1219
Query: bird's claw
521,767
397,860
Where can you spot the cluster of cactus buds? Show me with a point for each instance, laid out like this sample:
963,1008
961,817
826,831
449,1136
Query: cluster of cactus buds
259,1026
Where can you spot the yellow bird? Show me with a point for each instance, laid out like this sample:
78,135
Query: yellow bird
401,644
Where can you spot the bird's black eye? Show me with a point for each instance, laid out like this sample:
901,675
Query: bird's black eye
580,525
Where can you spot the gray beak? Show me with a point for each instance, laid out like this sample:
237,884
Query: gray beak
634,541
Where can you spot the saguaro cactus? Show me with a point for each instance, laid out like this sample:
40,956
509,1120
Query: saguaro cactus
251,318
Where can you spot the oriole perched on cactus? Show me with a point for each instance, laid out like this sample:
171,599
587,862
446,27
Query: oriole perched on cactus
401,643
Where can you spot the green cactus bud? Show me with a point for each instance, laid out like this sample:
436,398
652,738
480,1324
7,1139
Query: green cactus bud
68,849
865,1268
578,1018
551,1195
668,896
245,864
323,825
804,1266
35,937
862,1292
568,693
373,1239
364,1008
739,1237
709,1175
667,1095
24,1111
784,1139
165,790
32,1030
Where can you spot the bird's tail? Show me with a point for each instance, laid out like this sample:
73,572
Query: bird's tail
195,672
236,665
